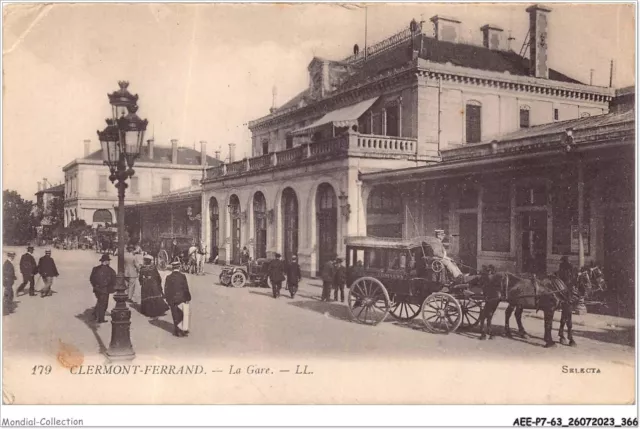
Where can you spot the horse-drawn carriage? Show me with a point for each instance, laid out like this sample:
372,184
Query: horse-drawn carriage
408,278
169,248
253,274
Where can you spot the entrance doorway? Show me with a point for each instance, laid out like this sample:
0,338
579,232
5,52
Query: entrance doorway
290,210
619,262
260,223
234,212
214,219
468,252
327,212
533,242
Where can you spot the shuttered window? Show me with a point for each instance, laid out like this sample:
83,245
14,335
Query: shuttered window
473,117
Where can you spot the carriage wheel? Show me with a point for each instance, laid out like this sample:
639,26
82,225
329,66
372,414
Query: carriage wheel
441,313
403,310
471,310
368,301
437,266
163,259
238,279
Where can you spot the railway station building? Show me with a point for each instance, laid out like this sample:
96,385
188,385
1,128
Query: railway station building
422,132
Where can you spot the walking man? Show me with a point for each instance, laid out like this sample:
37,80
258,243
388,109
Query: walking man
28,269
47,269
276,275
8,278
103,281
328,276
176,292
340,280
293,276
131,271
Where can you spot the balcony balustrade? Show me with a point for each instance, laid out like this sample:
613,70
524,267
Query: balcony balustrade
352,144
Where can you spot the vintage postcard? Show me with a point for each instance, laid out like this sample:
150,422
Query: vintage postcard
319,203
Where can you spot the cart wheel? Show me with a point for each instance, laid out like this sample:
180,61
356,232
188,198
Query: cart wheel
437,266
163,259
368,301
471,310
441,313
225,280
238,279
404,310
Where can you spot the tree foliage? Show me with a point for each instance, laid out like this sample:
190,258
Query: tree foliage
17,223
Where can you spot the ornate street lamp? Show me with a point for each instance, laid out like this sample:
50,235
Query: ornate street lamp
121,143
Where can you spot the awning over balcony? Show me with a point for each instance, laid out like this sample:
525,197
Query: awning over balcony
344,117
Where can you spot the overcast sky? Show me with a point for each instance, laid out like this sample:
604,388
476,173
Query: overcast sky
202,71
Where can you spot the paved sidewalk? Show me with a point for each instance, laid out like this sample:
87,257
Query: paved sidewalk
591,320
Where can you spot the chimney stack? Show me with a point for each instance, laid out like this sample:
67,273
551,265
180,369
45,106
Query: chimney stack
45,185
538,28
492,37
174,151
87,148
217,155
232,152
150,143
445,28
203,153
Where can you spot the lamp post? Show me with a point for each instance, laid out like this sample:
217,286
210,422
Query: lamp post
121,143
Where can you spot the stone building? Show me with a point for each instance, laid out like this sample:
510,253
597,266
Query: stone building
48,207
407,101
160,170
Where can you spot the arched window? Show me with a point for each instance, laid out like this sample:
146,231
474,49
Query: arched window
102,216
260,224
384,199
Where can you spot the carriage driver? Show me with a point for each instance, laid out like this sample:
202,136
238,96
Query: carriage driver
446,261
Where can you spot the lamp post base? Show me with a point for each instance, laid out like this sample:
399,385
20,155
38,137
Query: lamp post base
120,348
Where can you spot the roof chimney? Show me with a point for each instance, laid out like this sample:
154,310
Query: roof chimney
492,37
87,148
232,152
538,27
445,28
217,155
174,151
203,153
45,185
150,143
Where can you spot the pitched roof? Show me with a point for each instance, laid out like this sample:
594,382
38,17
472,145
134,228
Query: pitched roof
162,155
52,190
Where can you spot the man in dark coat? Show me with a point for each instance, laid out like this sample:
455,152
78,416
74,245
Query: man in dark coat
47,269
176,292
103,280
328,275
28,268
340,280
293,276
276,275
8,278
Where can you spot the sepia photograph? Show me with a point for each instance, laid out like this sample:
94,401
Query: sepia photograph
319,203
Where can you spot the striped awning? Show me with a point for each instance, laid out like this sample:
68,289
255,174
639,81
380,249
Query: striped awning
343,117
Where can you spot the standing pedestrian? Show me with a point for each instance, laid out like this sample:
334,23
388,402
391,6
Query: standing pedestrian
328,275
276,275
47,269
293,276
152,302
176,292
340,280
244,256
8,279
28,268
103,281
131,272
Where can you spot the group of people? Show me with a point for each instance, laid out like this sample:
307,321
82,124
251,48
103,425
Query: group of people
278,271
334,277
46,268
154,301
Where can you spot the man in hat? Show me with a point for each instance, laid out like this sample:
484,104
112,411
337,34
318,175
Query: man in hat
328,276
28,268
293,276
176,292
103,281
276,275
48,270
340,280
8,278
131,271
